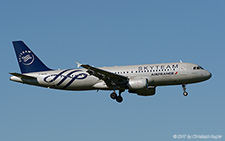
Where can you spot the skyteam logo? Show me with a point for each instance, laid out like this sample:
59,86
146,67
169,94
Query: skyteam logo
26,57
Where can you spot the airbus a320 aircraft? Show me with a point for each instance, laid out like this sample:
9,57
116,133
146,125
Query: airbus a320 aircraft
138,79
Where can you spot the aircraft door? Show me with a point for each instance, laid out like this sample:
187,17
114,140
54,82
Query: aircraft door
183,69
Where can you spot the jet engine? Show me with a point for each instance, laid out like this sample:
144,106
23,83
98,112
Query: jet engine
141,83
140,86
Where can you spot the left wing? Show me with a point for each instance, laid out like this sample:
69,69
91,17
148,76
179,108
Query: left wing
111,79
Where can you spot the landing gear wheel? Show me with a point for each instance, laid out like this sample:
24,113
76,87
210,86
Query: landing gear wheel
119,99
113,95
185,93
184,88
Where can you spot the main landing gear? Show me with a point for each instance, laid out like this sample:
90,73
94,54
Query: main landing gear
185,93
118,98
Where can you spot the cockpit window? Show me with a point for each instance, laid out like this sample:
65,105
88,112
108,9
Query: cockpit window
201,67
198,68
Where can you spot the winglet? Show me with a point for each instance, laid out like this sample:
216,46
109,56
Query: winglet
78,64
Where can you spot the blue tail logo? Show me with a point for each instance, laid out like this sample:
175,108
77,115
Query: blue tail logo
27,60
26,57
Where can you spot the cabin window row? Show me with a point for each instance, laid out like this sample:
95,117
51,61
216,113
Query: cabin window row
124,72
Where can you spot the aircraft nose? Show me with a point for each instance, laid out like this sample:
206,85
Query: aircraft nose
207,75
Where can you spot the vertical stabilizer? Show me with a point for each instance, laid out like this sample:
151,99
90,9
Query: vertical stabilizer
27,60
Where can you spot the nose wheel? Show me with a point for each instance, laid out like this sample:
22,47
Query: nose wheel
118,98
185,93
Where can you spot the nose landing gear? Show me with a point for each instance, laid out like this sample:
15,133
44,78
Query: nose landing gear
185,93
118,98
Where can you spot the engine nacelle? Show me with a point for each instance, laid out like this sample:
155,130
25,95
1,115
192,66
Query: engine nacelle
141,83
144,92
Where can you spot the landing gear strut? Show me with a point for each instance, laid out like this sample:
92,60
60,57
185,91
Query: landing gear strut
118,98
185,93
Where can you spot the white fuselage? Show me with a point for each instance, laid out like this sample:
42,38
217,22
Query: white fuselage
156,74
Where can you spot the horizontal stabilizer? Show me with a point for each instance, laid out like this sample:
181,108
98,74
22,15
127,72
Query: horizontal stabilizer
23,76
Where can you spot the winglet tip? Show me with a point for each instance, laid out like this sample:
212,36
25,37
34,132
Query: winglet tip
78,64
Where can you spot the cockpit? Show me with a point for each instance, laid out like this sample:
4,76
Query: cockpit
197,68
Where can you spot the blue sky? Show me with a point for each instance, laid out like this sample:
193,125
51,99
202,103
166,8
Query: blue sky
108,33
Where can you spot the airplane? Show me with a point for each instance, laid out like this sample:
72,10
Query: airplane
138,79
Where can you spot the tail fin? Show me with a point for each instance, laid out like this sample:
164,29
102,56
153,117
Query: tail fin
27,60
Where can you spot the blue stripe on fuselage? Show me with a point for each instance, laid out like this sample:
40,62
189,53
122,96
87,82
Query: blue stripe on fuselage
74,78
68,75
